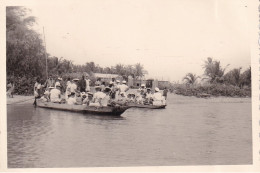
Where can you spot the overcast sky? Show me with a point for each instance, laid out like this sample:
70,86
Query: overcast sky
170,37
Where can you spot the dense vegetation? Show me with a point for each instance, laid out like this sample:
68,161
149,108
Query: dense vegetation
26,58
216,82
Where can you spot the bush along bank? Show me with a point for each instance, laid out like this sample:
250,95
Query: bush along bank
211,90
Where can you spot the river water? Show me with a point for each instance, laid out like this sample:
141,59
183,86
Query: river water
190,131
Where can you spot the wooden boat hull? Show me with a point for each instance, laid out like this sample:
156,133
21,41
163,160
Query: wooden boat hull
146,106
117,110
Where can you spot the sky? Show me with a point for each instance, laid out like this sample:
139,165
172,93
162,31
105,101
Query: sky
170,38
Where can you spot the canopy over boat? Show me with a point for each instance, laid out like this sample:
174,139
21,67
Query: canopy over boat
108,110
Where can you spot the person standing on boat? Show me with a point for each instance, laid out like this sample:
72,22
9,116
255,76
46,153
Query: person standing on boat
116,89
82,84
87,83
68,89
165,91
37,90
35,87
112,90
123,87
55,94
74,86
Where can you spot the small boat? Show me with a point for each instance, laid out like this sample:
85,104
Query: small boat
135,105
108,110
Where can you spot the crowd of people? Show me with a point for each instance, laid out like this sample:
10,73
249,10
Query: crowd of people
78,92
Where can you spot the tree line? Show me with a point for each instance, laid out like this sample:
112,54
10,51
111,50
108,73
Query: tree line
26,56
214,73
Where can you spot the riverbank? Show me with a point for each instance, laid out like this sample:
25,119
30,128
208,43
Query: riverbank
208,90
19,99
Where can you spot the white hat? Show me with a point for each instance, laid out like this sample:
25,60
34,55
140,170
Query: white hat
110,82
57,85
117,81
51,87
156,89
59,78
143,85
83,93
76,79
123,81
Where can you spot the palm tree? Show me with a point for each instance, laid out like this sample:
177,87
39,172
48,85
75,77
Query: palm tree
213,70
139,70
120,69
191,78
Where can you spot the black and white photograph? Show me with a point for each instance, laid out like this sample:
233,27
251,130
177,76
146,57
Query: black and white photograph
131,83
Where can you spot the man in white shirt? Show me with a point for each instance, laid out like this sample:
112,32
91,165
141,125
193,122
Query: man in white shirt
55,94
98,96
157,97
68,89
73,87
87,83
123,87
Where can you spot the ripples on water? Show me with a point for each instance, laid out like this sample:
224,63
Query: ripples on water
185,133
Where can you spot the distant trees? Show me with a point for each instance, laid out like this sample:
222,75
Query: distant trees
190,78
234,83
246,77
136,70
59,66
215,74
236,78
213,70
